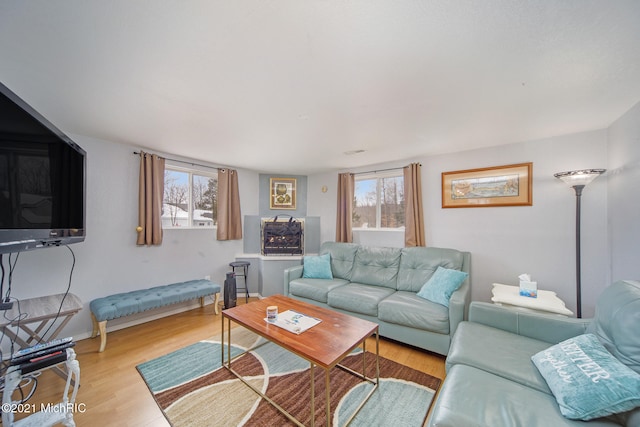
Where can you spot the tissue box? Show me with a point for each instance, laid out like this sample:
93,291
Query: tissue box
528,289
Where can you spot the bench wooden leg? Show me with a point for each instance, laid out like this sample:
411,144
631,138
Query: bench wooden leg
103,335
94,322
99,328
216,303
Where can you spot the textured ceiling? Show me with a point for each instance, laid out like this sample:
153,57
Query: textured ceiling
291,85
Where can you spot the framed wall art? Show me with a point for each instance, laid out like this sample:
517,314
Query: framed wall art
282,193
508,185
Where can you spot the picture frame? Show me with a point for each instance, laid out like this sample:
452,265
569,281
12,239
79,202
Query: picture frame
509,185
282,193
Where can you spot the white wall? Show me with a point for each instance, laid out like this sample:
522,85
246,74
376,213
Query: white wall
624,200
323,204
109,260
507,241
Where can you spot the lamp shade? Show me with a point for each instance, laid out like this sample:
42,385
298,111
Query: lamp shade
579,177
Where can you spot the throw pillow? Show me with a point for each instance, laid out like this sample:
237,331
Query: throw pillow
586,380
442,285
317,267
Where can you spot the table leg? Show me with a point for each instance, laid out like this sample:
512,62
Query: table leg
313,394
364,354
377,358
13,337
363,375
60,326
222,344
328,395
229,342
228,364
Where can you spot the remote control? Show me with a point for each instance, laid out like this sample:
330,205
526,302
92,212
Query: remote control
42,346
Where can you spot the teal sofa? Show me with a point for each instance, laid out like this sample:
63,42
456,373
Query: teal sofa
380,284
492,381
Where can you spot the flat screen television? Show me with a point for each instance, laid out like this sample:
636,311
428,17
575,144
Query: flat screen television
42,180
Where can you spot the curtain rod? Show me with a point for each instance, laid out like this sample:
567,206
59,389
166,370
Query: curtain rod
382,170
186,163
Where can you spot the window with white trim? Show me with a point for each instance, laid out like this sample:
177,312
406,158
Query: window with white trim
379,201
190,198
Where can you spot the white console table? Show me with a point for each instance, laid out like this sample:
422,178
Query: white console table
547,301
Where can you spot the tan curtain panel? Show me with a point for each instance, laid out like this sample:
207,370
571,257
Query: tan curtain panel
344,217
414,214
229,215
150,197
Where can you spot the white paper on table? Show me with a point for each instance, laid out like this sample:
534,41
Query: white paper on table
294,321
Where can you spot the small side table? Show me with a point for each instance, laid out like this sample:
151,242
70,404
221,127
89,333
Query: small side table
40,311
547,301
35,314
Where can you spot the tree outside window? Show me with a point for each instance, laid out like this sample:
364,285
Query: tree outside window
379,202
190,199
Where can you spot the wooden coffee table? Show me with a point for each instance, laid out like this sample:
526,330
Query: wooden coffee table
324,345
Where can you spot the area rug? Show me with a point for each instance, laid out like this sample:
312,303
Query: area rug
193,389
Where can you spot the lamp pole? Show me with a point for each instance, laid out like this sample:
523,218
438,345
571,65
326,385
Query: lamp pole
577,180
578,190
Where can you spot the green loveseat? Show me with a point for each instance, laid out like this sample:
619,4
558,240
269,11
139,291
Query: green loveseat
492,382
380,284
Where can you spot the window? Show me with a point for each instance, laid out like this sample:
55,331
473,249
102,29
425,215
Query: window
379,201
190,198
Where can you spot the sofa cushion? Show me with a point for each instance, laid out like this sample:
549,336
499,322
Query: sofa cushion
442,285
418,264
376,266
617,313
317,267
315,289
342,258
472,397
586,380
499,352
407,309
358,298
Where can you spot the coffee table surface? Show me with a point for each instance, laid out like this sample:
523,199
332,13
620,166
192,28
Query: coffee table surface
325,344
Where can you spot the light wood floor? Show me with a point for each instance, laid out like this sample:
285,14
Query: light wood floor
113,392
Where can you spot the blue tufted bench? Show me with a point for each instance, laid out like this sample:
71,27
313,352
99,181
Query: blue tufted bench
127,303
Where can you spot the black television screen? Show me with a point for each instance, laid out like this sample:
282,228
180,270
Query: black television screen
42,180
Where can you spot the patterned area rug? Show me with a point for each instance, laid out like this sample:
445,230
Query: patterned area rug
192,388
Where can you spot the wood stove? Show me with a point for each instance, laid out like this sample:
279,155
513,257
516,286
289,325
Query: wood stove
282,236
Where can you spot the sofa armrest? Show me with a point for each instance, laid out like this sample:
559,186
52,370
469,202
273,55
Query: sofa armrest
458,306
551,328
461,298
291,273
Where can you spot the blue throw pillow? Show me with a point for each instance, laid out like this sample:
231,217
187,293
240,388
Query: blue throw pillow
442,285
317,267
586,380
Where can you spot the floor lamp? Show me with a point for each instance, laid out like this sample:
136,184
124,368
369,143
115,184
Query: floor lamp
578,180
